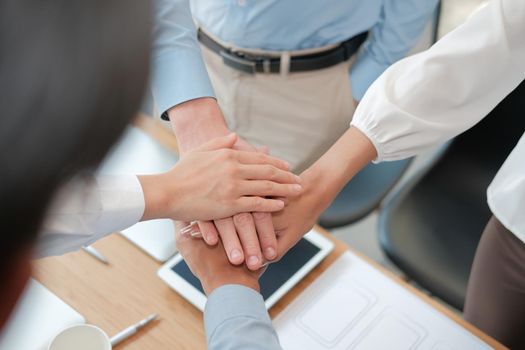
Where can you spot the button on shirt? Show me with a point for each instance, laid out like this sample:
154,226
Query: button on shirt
426,99
284,25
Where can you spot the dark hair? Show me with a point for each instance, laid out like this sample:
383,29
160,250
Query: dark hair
72,75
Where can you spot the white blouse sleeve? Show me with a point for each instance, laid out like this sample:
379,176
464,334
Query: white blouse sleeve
87,209
430,97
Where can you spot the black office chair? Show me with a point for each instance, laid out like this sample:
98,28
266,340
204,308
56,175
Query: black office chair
431,227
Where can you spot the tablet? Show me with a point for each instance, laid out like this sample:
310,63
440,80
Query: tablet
278,279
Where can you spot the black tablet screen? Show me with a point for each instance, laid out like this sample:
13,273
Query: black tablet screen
276,274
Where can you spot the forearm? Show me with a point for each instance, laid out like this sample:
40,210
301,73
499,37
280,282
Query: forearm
352,152
197,121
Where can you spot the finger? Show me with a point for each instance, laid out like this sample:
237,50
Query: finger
245,227
218,143
230,240
268,172
243,145
180,240
265,188
263,149
266,234
261,158
209,232
259,204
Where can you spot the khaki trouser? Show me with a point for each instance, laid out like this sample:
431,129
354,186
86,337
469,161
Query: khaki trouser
297,115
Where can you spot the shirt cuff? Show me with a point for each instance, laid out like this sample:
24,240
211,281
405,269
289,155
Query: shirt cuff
363,73
232,301
122,199
178,77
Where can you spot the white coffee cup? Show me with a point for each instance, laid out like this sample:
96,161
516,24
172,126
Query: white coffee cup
81,337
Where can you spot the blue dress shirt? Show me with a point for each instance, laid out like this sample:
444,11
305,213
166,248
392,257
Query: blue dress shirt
178,70
236,318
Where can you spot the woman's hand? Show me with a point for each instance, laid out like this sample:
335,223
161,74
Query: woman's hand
213,181
321,184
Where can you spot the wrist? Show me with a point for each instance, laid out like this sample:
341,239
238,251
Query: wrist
330,173
157,200
213,281
196,122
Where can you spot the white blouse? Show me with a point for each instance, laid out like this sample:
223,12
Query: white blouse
428,98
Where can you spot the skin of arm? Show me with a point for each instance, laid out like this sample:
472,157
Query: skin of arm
321,184
246,236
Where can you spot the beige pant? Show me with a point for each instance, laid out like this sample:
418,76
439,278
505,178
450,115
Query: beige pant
298,115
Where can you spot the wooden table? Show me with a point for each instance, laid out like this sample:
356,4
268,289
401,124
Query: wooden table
112,297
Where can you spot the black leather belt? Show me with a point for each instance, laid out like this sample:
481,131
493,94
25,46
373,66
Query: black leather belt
252,64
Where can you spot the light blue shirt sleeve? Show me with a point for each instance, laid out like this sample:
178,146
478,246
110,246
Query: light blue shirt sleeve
400,25
235,318
178,70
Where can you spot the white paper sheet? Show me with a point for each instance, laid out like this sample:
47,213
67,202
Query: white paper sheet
354,306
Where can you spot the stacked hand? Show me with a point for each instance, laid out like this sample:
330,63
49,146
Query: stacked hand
215,181
254,236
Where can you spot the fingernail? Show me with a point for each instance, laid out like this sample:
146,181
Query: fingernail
286,164
253,260
297,188
297,178
235,254
269,253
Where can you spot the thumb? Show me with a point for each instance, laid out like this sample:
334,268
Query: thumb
219,142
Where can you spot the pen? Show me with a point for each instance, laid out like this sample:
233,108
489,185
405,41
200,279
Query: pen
128,332
96,254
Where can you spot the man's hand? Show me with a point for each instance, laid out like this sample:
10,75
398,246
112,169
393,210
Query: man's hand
211,266
245,236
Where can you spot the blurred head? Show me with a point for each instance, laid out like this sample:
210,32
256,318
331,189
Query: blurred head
72,75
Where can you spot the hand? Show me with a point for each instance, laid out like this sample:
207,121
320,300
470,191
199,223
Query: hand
302,212
321,184
214,181
211,266
195,122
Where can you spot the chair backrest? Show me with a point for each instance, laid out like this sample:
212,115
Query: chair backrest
431,226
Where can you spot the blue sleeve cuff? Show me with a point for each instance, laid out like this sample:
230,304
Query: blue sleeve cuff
179,77
233,301
363,73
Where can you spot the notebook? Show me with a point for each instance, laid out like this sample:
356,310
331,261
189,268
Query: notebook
37,318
